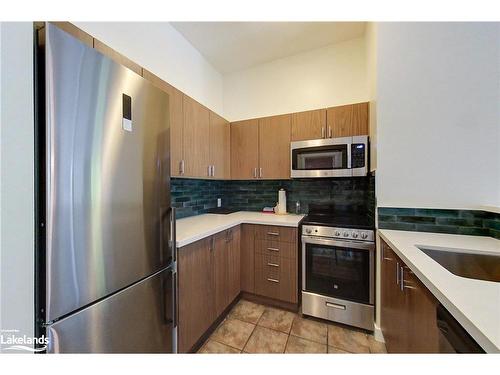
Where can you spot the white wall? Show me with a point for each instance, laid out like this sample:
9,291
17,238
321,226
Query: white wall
161,49
438,115
17,178
324,77
371,77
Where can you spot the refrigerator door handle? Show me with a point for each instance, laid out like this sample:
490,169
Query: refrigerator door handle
173,235
176,298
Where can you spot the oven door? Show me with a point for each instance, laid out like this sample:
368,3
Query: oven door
338,269
321,158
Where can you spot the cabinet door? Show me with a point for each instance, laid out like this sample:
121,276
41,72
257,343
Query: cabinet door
422,332
309,125
221,261
176,122
220,141
196,292
347,120
274,147
244,149
391,305
234,262
116,56
196,138
247,258
79,34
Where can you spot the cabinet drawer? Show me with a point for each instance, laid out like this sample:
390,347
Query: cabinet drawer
265,285
275,233
276,248
270,264
277,281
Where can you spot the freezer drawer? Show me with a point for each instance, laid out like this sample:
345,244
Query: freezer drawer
138,319
107,176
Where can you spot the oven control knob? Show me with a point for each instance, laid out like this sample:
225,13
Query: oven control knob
364,235
308,230
354,234
337,233
346,234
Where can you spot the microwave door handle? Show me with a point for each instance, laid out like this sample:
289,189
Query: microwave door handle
349,148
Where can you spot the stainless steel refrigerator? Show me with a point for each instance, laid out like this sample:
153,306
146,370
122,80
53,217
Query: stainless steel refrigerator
106,263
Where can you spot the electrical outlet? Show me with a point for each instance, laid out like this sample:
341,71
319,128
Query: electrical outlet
219,202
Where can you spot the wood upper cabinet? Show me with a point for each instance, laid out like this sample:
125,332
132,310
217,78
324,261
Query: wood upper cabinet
244,149
408,308
220,145
117,57
196,137
247,258
78,33
176,122
274,147
347,120
196,292
309,125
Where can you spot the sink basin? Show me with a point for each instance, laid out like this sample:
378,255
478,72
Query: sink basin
470,265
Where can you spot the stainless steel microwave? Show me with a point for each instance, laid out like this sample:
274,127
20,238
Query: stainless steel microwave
331,157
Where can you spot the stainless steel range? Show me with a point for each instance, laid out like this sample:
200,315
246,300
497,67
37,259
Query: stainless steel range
338,267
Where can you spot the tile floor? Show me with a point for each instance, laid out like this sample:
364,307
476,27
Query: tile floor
254,328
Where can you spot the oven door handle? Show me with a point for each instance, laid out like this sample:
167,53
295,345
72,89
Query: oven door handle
370,246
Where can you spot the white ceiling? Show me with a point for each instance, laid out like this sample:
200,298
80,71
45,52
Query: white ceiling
233,46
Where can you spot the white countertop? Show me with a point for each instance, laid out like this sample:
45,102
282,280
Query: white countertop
195,228
474,303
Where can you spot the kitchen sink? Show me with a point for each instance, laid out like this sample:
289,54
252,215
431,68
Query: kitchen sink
465,264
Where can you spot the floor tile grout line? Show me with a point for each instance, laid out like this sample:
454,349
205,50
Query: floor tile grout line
248,338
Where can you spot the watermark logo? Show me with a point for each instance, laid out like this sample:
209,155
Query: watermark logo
11,340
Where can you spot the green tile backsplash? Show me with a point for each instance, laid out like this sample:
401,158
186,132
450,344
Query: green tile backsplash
193,197
471,222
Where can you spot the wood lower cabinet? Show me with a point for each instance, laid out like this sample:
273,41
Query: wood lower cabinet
269,265
244,149
408,308
347,120
309,125
234,262
247,268
227,268
197,309
274,147
209,280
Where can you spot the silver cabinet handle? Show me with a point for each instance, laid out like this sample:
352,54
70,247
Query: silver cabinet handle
181,167
273,265
273,280
209,170
273,233
335,306
260,172
255,172
322,132
397,273
402,280
329,132
273,249
383,254
213,170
